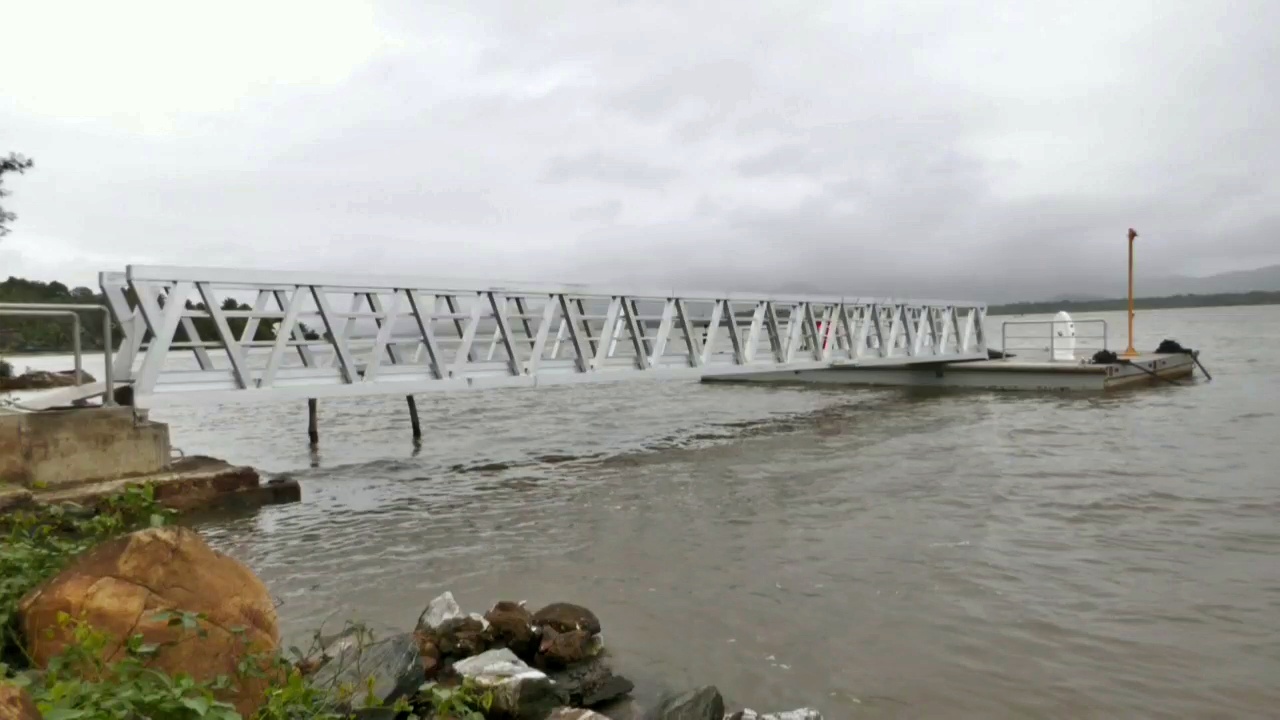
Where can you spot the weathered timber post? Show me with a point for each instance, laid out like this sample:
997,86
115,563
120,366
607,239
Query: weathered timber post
413,417
313,431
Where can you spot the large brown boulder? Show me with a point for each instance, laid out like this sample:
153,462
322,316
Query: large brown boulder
566,617
511,626
16,703
118,587
558,650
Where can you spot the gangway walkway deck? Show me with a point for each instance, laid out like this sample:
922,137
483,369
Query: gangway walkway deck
309,335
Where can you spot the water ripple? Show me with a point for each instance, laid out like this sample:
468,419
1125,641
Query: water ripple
876,553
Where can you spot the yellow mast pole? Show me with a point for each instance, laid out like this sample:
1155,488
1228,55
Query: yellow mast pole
1130,352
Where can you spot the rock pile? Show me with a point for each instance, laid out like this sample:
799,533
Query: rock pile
544,665
522,665
532,664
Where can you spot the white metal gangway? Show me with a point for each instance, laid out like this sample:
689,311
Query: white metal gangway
197,334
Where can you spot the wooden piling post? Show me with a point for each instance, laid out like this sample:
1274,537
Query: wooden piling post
413,417
313,431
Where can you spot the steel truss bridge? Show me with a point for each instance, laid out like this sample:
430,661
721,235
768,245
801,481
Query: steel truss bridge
312,335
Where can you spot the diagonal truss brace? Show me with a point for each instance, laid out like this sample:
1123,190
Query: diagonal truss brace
335,335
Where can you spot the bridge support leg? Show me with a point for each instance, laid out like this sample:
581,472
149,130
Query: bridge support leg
313,431
413,417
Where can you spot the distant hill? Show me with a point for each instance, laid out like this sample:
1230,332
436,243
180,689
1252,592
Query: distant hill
1004,289
1145,303
1076,298
1244,287
1265,279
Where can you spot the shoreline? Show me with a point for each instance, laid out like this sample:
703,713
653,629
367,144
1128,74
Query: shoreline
1141,304
191,485
219,620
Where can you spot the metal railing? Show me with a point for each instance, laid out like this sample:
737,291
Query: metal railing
346,335
1049,339
73,311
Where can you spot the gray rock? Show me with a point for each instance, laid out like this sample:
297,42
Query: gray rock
800,714
352,636
519,691
394,664
446,634
627,708
704,703
459,637
591,683
438,610
575,714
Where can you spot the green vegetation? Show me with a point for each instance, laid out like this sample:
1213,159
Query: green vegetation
465,702
79,685
47,334
38,543
14,163
32,335
1257,297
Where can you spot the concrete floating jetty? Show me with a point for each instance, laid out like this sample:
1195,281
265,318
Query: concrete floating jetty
1002,374
85,455
1054,358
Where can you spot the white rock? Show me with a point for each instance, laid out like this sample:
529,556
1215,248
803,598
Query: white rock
518,690
496,666
800,714
566,713
440,609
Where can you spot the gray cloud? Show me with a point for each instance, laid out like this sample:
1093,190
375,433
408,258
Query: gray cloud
974,149
612,170
604,212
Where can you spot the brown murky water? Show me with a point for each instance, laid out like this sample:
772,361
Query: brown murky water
872,553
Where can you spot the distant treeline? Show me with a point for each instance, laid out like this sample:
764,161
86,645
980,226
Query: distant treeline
1257,297
35,335
52,334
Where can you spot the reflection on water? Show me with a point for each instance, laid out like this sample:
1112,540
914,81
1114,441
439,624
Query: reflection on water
876,553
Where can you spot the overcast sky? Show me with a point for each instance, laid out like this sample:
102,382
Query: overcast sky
861,147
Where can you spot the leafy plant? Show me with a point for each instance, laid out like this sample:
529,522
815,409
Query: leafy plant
14,163
37,543
467,701
80,684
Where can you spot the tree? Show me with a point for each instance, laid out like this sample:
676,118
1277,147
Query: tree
13,163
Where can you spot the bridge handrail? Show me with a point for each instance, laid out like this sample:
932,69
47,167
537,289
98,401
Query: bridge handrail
70,310
414,334
288,279
1052,335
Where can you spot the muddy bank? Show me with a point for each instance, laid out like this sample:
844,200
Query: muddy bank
43,380
190,484
162,599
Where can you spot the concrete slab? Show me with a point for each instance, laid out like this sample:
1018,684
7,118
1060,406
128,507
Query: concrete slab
85,455
191,484
1011,374
69,447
